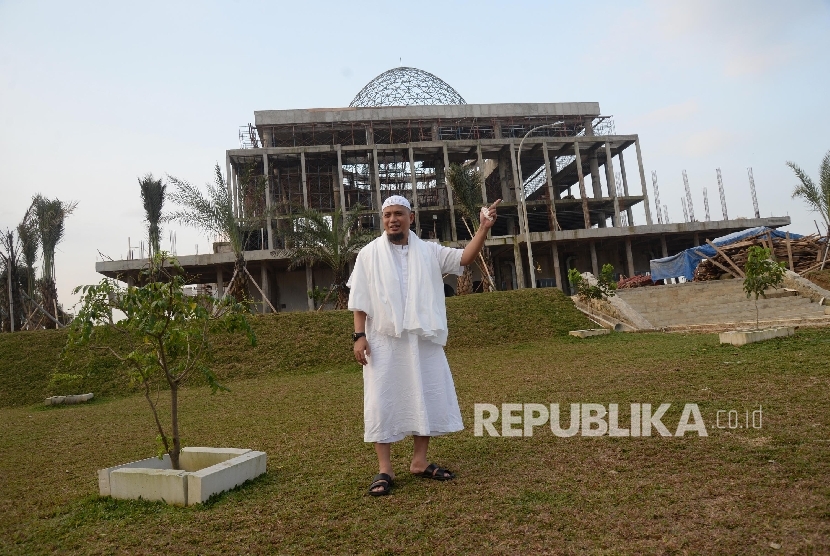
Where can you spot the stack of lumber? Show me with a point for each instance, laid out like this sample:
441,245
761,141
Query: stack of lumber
799,255
634,282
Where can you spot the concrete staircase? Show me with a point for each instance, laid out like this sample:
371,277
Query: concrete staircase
704,305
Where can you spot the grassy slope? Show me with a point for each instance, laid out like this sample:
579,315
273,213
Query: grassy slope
288,344
733,492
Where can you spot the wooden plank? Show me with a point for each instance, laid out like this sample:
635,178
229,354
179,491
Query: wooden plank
725,256
717,264
790,251
815,266
771,247
264,297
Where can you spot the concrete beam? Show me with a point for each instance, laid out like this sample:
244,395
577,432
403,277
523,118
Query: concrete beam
488,111
590,143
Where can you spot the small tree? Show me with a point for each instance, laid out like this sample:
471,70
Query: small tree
585,291
761,273
164,337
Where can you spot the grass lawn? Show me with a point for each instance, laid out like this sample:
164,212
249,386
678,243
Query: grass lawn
739,491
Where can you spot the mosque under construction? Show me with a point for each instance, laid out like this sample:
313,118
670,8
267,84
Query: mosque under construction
570,194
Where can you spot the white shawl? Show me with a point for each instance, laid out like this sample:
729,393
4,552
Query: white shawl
376,290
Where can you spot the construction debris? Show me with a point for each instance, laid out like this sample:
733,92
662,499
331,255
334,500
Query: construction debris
799,255
636,282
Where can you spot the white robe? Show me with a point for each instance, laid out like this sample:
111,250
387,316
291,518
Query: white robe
407,384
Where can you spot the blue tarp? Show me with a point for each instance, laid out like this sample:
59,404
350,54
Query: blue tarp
685,262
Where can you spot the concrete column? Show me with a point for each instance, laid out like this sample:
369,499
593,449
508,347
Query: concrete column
643,182
585,214
340,182
268,214
520,269
449,194
378,200
549,175
629,256
517,189
228,181
592,160
481,173
220,283
237,205
625,187
557,272
504,179
663,245
612,185
696,239
335,188
553,172
303,179
594,263
309,284
596,184
522,212
266,289
414,182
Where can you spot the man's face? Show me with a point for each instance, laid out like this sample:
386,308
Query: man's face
396,221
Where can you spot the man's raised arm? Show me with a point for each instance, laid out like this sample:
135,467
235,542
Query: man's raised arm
486,220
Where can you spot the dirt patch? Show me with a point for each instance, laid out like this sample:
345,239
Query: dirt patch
820,278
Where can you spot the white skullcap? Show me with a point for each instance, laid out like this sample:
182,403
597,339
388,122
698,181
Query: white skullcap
396,200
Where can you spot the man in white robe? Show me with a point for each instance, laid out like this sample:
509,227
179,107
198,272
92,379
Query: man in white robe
400,323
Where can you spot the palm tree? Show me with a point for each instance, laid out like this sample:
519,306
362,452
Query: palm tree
152,195
50,215
27,232
213,215
816,195
330,240
466,186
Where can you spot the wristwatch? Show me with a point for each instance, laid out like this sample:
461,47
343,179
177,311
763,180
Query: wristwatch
358,335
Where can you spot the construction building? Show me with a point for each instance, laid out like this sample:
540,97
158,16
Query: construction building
571,186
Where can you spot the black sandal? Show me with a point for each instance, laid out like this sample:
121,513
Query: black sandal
381,480
438,473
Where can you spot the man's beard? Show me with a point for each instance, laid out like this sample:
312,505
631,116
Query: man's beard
394,238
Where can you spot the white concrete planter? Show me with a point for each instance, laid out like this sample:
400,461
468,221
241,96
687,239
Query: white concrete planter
73,399
205,471
741,337
589,333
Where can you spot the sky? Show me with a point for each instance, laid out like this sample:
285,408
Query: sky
93,95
